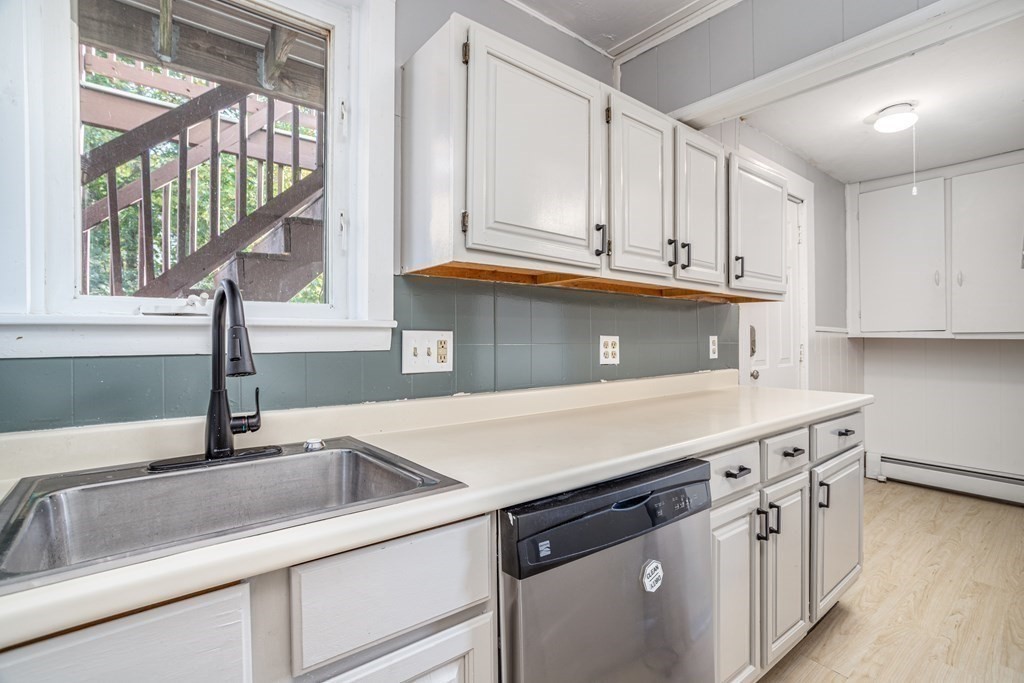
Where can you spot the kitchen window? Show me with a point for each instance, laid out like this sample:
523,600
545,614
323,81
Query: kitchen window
203,139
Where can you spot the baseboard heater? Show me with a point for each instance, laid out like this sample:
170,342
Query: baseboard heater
988,484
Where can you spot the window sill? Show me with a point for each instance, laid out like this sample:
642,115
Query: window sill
46,336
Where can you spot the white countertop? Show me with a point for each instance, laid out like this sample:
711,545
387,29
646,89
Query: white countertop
502,461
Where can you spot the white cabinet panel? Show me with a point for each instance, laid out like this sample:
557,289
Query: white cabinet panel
903,258
988,251
736,589
785,453
205,638
641,184
461,654
838,544
785,567
734,470
757,227
700,207
535,132
344,603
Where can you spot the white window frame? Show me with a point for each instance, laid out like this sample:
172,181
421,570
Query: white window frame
41,312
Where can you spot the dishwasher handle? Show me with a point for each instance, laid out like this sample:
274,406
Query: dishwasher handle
620,521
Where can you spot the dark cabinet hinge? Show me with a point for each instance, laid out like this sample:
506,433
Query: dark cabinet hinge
607,114
465,52
465,221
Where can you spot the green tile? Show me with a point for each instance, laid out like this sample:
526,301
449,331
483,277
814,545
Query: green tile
512,367
334,378
576,361
118,389
187,381
474,368
433,304
511,316
430,384
281,378
35,393
546,365
382,374
474,308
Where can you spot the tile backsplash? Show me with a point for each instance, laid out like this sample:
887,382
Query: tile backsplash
506,337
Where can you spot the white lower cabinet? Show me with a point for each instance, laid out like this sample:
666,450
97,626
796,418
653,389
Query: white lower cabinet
837,506
203,638
737,576
461,654
785,565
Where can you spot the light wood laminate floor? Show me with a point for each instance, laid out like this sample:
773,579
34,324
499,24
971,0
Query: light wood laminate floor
941,597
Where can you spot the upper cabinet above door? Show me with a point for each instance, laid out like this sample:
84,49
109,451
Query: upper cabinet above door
641,187
534,177
757,227
700,207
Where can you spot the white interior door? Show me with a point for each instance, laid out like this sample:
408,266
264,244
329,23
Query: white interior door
773,335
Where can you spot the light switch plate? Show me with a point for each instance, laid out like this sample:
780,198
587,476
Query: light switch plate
713,347
427,351
608,350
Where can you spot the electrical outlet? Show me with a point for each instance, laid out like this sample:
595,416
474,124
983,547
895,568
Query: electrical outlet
713,347
427,351
608,350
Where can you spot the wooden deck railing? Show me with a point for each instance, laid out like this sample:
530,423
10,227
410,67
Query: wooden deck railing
203,133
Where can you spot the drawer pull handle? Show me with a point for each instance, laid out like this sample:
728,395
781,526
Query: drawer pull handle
675,253
846,432
603,229
793,452
828,495
741,472
777,529
762,536
741,270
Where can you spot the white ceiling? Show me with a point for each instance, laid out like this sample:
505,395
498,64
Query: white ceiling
615,25
971,104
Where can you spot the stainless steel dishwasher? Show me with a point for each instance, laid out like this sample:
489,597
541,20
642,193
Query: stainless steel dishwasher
610,583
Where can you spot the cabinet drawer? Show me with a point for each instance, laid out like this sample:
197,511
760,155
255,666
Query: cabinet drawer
785,453
203,638
834,436
347,602
736,469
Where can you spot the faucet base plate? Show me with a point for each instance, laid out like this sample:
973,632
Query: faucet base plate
194,461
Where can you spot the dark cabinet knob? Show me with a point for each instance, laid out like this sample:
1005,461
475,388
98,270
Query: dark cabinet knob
742,471
846,432
793,452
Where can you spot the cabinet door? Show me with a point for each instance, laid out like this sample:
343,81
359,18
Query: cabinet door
700,207
641,184
757,227
204,638
461,654
785,567
838,528
736,578
988,251
535,154
902,255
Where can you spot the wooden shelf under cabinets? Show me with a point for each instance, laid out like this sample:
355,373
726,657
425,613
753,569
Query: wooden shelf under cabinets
527,276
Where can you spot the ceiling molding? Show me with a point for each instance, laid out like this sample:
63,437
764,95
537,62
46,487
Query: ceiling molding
554,24
932,25
671,26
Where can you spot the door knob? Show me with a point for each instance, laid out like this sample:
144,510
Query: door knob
754,374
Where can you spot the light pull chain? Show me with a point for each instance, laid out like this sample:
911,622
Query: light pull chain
913,131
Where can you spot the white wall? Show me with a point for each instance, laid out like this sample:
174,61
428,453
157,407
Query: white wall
417,20
944,401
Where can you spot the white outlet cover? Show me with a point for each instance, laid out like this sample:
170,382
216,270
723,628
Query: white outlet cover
419,351
713,347
609,351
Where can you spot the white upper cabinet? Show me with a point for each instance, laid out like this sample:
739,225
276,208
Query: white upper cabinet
535,154
903,258
641,187
988,251
700,207
757,227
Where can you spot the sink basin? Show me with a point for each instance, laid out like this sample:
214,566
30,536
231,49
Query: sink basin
69,524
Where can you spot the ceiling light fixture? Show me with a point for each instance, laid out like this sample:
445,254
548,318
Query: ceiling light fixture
895,118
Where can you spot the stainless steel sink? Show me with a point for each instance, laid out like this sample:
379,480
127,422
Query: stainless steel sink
58,526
